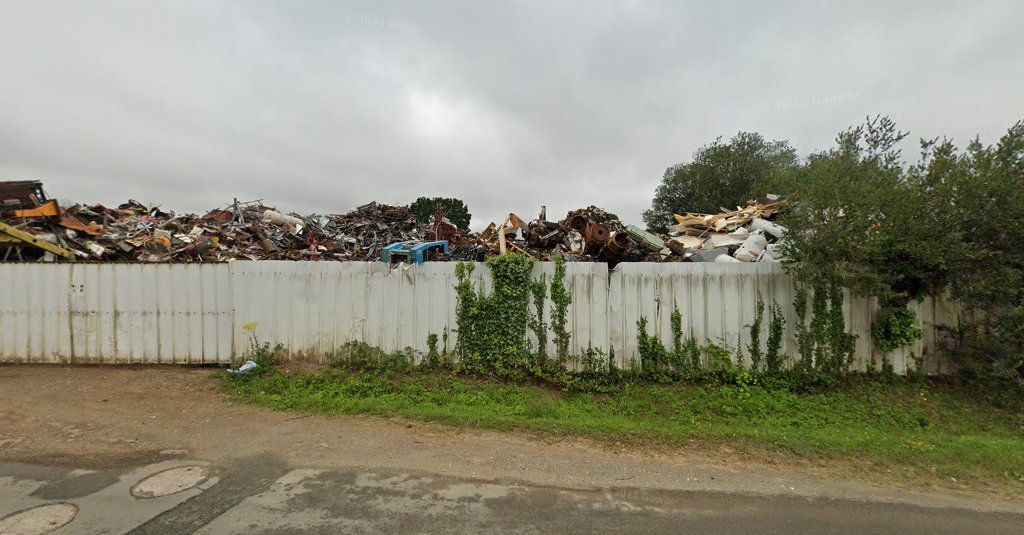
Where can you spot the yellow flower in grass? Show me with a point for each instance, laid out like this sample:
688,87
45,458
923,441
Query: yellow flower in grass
250,327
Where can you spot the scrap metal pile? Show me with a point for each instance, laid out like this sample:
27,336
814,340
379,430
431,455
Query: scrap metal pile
593,235
138,233
33,227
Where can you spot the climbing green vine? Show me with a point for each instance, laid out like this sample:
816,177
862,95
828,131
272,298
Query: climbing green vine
492,328
755,335
561,297
824,345
539,327
776,329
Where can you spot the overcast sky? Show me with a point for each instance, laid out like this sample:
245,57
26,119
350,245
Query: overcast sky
317,106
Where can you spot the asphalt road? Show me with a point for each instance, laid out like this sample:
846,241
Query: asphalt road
264,494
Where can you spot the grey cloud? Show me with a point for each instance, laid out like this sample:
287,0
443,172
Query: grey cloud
318,106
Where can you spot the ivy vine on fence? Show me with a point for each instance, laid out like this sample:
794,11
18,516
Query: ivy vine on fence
492,328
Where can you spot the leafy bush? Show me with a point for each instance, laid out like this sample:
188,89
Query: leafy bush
896,327
492,328
364,357
651,349
863,221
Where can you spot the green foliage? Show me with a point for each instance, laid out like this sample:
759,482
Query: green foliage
467,309
538,293
262,353
972,195
677,359
776,330
854,223
721,174
825,347
755,335
677,332
492,329
864,221
804,339
593,361
561,297
361,356
453,209
685,359
693,350
651,349
897,327
433,357
841,343
719,357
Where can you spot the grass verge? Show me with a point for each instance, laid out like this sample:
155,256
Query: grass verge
907,431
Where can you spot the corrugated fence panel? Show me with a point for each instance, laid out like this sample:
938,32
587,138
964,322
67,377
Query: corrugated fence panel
598,286
128,305
196,313
13,307
352,294
406,331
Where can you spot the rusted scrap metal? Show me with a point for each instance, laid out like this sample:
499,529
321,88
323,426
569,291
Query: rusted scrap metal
441,229
594,227
541,233
135,232
589,234
616,246
69,221
596,235
577,222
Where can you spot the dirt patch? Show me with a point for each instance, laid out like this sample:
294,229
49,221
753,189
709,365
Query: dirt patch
304,366
104,417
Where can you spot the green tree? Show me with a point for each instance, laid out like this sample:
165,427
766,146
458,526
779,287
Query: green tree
972,199
857,220
721,175
863,220
454,209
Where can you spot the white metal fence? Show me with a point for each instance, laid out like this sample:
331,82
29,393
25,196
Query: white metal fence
194,313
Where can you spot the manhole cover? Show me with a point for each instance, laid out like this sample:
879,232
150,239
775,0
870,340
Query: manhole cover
39,519
170,481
